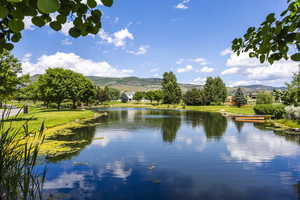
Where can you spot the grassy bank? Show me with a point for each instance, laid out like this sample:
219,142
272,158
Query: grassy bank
247,110
51,117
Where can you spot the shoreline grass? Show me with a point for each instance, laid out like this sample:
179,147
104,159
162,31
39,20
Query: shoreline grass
244,110
50,117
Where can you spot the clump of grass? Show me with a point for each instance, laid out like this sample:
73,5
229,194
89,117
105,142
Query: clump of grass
19,179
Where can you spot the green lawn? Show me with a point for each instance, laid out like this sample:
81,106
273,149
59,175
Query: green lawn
51,117
247,110
288,123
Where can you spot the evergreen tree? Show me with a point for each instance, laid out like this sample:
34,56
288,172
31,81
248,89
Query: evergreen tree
171,90
239,98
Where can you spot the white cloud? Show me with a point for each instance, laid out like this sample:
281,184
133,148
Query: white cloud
180,61
66,42
200,61
118,170
141,50
66,27
28,24
255,147
73,62
233,70
154,70
118,38
156,75
199,81
183,5
280,72
185,69
206,69
226,52
26,57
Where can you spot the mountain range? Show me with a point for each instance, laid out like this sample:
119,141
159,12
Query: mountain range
142,84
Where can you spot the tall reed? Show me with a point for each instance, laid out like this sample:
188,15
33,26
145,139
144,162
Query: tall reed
19,178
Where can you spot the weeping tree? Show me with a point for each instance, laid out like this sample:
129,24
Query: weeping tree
85,16
275,39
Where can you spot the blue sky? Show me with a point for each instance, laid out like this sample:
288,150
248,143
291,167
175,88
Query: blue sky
146,38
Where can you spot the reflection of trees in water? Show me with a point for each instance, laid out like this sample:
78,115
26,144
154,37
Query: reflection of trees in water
169,128
214,124
297,188
239,125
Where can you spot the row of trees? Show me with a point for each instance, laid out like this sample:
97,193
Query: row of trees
58,85
152,95
214,92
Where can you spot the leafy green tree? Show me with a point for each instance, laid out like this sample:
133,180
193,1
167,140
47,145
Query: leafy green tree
114,94
215,91
138,96
10,68
240,98
292,95
103,94
274,38
149,95
157,95
171,90
194,97
88,92
86,17
75,83
264,98
53,86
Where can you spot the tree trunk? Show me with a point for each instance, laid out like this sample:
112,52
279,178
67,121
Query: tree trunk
74,104
58,105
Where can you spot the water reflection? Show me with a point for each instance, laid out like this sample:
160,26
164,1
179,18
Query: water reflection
256,147
152,154
214,124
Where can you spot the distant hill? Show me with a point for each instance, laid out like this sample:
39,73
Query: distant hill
135,83
263,87
141,84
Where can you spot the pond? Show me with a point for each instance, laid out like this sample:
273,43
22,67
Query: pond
161,154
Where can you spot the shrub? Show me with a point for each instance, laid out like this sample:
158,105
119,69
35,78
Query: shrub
264,98
292,112
277,111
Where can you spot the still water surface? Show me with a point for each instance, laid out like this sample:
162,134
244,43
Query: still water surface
151,154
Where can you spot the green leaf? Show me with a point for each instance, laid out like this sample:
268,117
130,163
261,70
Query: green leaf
16,37
16,25
15,1
75,32
3,12
92,3
55,26
8,46
296,57
107,3
262,58
61,19
38,21
48,6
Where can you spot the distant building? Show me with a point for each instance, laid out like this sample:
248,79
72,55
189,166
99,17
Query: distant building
129,95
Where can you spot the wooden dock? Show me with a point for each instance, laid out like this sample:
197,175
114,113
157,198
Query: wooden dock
251,118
